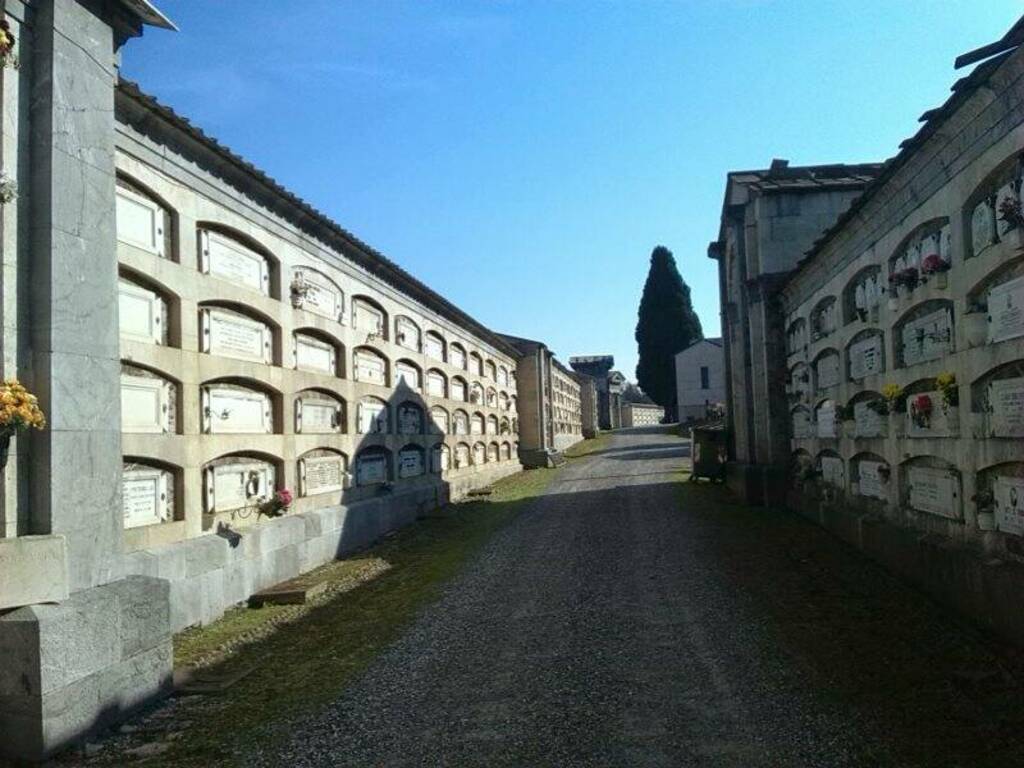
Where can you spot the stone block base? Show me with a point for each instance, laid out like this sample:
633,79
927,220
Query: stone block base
69,670
35,570
537,458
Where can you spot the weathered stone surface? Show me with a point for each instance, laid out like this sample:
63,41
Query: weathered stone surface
34,569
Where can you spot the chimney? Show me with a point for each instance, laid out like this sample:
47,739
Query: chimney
779,164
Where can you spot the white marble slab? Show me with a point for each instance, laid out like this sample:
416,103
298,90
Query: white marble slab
312,354
460,424
433,347
982,227
372,469
869,481
440,458
826,422
318,416
867,422
372,418
479,454
322,297
322,474
1009,504
408,374
1006,310
435,384
457,358
833,471
461,456
928,337
827,369
140,221
801,423
229,259
440,418
145,497
407,334
240,484
935,491
476,425
141,313
230,334
1006,402
366,317
370,368
866,357
234,410
145,404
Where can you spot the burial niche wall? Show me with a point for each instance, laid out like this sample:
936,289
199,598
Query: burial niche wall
987,207
931,485
997,401
238,483
144,310
996,305
923,333
236,258
149,492
313,291
149,401
865,354
319,412
322,470
227,330
317,352
862,296
237,406
145,220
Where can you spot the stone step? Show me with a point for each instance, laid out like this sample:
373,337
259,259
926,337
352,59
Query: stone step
292,592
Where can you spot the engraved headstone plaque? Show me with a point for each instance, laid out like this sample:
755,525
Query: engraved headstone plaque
801,423
366,317
311,354
229,259
866,357
238,484
230,334
458,390
492,425
435,384
460,423
833,471
827,368
935,491
139,221
141,313
1006,310
1006,403
373,417
145,404
433,347
868,422
370,368
318,416
372,468
928,337
1008,493
232,409
144,495
410,462
322,474
869,481
982,226
321,296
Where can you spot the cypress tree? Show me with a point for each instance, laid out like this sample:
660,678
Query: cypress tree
666,323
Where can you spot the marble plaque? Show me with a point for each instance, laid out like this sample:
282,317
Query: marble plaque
435,384
410,463
833,471
144,404
476,425
928,337
457,357
827,420
367,318
1009,504
433,347
370,368
506,452
311,354
407,334
942,423
1006,310
232,335
458,390
237,485
373,417
236,410
866,357
460,422
982,227
1006,403
827,369
867,422
372,469
318,417
322,474
801,423
144,496
407,374
410,420
139,221
440,419
229,259
461,456
869,482
321,298
935,491
141,313
479,454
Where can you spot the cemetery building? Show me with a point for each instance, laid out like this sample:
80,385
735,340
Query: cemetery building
901,356
588,405
550,403
609,386
641,414
700,379
200,339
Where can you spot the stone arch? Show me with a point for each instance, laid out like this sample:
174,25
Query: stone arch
436,383
832,468
827,369
796,336
237,482
997,397
463,456
491,370
862,295
440,458
459,389
479,454
999,497
457,357
145,219
235,256
493,453
800,422
492,424
983,225
476,363
931,238
370,365
369,317
477,423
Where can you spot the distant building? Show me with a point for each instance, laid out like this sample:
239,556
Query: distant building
700,378
609,386
588,404
641,414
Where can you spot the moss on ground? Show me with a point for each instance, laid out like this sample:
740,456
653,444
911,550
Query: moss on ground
302,657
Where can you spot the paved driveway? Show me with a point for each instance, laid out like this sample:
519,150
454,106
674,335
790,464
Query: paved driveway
627,619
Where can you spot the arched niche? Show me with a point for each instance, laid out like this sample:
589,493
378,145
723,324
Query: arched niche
409,374
370,366
479,454
322,470
476,364
434,346
476,423
237,406
924,332
459,389
492,397
825,421
230,330
506,452
369,317
476,393
491,370
373,466
318,352
865,354
149,491
832,468
796,336
460,422
799,383
457,355
437,383
463,456
313,291
931,485
985,225
827,369
928,415
493,453
149,401
927,247
440,419
319,412
997,398
234,256
824,318
407,333
862,296
994,305
147,311
870,414
503,401
800,419
440,458
999,498
239,482
372,417
411,461
502,376
505,427
410,419
145,220
870,476
492,425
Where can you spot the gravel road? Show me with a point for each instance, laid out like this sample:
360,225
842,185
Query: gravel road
614,624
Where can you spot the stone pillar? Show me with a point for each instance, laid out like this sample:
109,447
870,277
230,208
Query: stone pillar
72,667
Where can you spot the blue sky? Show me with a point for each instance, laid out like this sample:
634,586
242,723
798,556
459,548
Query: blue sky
535,152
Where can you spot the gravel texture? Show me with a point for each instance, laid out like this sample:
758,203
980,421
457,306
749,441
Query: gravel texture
624,620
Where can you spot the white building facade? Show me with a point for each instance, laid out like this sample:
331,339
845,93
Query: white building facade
700,379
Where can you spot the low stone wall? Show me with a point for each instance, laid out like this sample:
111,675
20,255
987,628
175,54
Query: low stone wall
211,573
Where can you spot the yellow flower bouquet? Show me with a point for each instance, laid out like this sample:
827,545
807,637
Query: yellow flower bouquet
19,410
